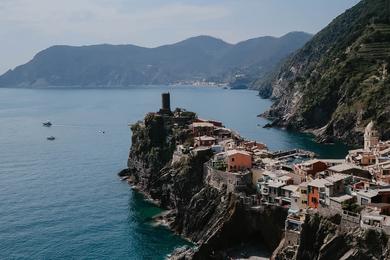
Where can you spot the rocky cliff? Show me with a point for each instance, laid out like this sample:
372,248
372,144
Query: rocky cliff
326,238
339,81
211,218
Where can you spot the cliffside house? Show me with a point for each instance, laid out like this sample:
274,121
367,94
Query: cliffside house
310,167
202,129
377,195
316,192
376,216
222,133
238,160
288,192
381,171
350,169
302,191
204,141
228,144
271,184
253,145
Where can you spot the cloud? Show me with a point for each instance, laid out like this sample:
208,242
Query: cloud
98,18
28,26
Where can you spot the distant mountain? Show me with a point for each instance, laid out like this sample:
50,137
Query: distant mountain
339,81
197,58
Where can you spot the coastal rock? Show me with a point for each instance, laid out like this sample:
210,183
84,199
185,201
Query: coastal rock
213,219
327,238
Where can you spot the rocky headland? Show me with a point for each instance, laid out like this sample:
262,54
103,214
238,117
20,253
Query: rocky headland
213,219
164,166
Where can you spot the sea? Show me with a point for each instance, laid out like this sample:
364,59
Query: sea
62,199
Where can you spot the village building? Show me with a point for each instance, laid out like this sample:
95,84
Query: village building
293,228
202,129
204,141
274,191
310,167
303,195
336,202
316,192
335,186
381,171
287,194
378,195
374,150
228,144
216,148
376,216
253,145
270,186
238,160
371,137
223,133
350,169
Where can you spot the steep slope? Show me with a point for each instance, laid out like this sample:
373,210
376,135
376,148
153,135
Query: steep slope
213,219
326,238
197,58
339,80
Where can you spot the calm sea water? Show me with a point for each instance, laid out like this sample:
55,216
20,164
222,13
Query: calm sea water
62,198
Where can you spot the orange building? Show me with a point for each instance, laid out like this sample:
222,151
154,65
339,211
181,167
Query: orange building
316,192
238,160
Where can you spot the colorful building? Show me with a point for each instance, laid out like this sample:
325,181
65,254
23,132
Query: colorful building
310,168
316,192
238,160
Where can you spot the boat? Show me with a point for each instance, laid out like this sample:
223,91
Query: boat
50,138
47,124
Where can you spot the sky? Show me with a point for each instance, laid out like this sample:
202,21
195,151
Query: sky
29,26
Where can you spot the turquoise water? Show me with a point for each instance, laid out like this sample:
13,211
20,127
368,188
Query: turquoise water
62,199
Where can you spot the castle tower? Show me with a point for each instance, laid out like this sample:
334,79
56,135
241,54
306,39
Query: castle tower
371,136
165,104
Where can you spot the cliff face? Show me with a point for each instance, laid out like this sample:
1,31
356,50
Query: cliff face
213,219
339,81
324,238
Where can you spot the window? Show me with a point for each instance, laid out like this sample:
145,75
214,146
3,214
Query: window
232,160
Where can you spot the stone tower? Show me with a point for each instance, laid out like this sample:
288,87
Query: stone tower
166,104
371,136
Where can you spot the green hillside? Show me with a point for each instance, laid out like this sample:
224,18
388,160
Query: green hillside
339,80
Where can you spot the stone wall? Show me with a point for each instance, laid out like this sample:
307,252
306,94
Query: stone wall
233,182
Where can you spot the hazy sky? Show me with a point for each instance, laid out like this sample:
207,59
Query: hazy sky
28,26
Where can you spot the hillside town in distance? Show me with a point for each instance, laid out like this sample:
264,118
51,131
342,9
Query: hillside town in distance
357,188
